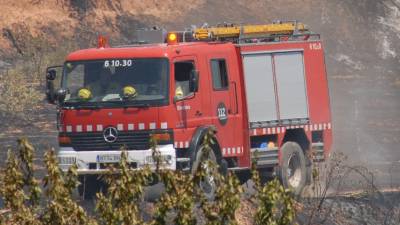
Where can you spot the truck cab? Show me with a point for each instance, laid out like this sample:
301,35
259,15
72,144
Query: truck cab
178,91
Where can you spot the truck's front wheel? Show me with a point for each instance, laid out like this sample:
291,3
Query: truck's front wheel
292,171
207,161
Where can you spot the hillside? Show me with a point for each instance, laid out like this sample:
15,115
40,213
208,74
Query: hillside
361,41
349,28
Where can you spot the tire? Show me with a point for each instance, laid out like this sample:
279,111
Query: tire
292,171
89,186
208,185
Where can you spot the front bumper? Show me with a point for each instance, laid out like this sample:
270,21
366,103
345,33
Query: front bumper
92,162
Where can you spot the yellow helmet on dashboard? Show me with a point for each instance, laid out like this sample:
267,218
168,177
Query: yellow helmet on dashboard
129,92
84,94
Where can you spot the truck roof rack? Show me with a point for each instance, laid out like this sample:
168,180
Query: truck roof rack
276,31
240,34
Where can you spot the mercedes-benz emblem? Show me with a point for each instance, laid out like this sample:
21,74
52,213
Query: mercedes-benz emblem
110,134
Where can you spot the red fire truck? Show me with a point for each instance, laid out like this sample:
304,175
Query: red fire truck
263,88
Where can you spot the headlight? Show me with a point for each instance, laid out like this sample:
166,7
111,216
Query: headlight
167,159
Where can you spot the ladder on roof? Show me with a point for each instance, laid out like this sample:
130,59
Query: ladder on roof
238,32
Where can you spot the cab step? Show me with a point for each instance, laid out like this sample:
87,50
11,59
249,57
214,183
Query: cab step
265,157
318,151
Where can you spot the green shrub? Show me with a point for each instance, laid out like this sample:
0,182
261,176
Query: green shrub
60,207
276,206
182,203
121,203
177,203
19,188
275,203
21,192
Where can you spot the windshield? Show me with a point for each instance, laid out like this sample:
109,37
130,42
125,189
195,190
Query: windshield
116,80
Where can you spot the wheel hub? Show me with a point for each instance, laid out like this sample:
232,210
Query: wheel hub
294,171
207,184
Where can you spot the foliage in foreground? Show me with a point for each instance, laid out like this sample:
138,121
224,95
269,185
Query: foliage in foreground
26,202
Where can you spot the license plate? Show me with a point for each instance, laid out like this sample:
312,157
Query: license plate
108,158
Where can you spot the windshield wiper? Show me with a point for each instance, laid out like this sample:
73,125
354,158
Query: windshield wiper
94,106
126,104
138,105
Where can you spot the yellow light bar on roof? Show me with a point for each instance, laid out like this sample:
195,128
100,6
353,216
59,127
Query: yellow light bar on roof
248,30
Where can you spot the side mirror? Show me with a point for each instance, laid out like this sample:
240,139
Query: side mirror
51,75
194,81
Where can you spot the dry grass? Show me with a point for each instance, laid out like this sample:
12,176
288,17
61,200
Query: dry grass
397,83
18,97
246,212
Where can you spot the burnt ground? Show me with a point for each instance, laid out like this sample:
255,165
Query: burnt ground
366,122
366,130
382,208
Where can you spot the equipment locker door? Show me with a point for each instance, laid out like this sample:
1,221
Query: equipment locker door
259,81
291,85
224,106
275,88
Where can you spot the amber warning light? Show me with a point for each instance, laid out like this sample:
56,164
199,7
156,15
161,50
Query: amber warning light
102,42
172,38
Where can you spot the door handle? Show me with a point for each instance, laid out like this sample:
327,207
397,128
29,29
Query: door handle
198,113
234,98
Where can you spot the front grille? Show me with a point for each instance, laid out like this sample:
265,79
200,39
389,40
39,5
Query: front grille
94,141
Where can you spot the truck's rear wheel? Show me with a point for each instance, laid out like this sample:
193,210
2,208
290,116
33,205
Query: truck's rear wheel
292,171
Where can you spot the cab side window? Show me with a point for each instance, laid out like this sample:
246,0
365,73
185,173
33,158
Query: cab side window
183,70
74,81
219,74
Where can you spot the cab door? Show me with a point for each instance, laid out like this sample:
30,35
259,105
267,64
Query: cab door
224,105
188,104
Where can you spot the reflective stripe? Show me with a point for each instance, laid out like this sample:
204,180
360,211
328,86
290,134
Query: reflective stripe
164,125
78,128
141,126
99,127
69,128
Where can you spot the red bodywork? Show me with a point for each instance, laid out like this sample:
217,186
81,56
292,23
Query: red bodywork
185,116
